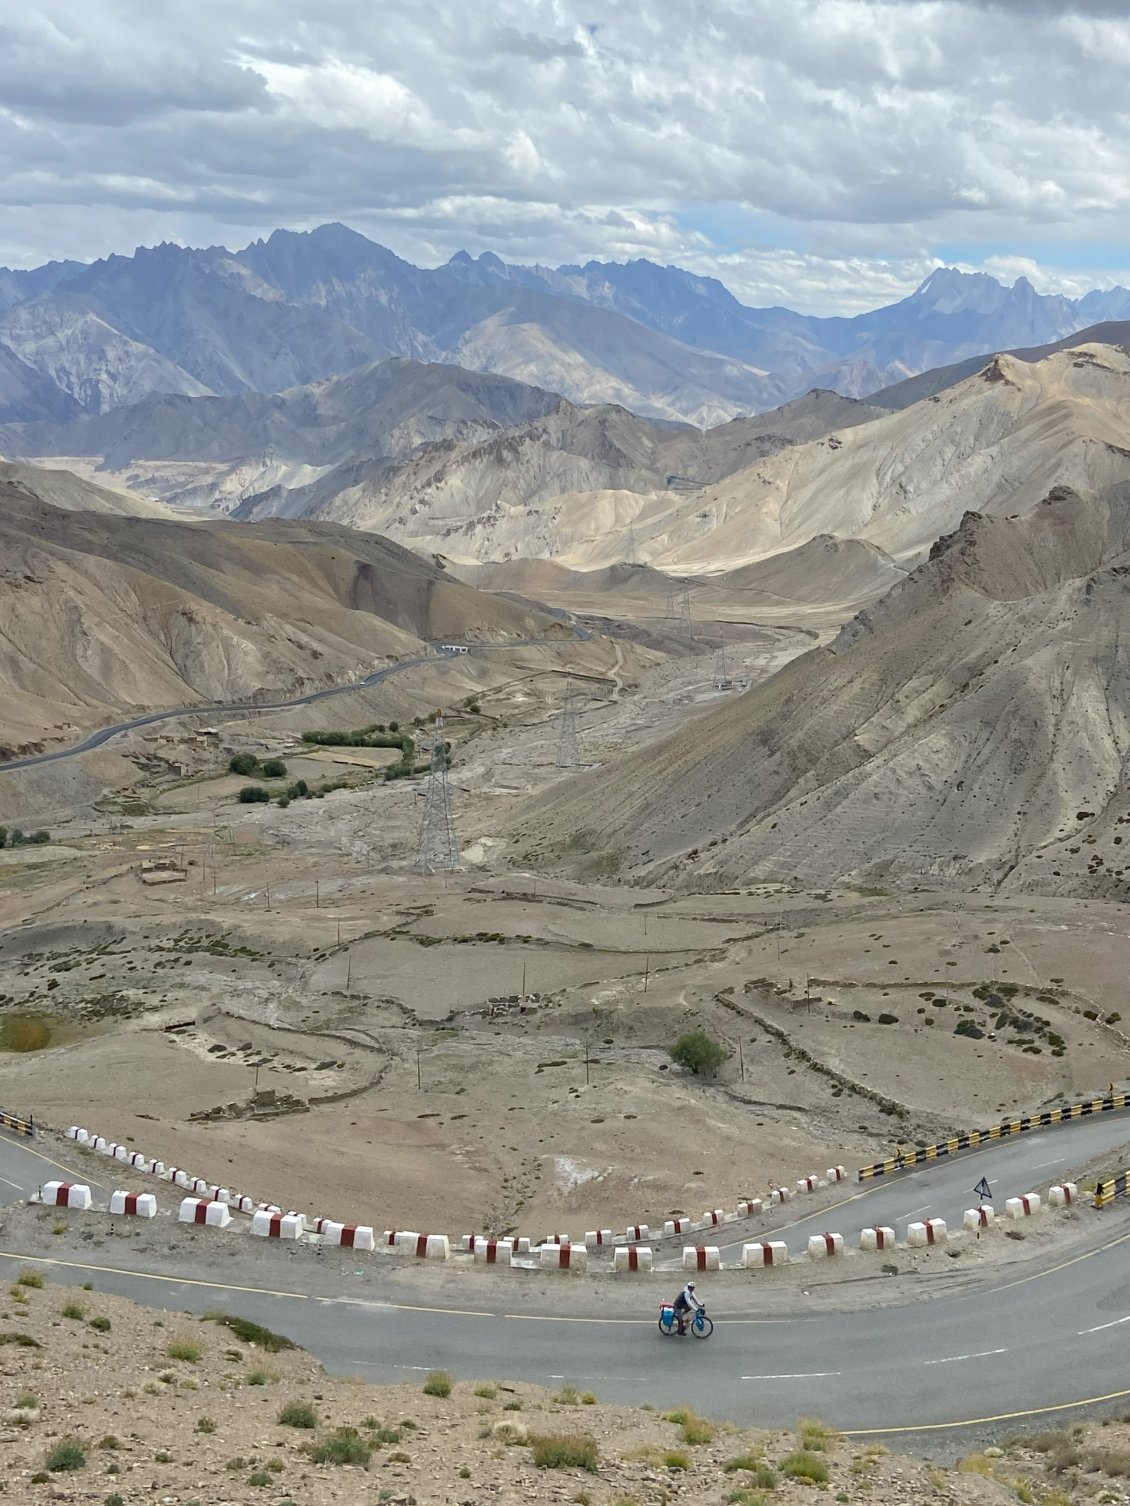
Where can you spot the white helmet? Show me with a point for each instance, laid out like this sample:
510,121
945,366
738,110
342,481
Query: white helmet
690,1286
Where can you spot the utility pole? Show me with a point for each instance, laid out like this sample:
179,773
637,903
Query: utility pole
646,970
523,980
348,969
317,895
418,1081
439,846
568,752
632,557
586,1061
685,620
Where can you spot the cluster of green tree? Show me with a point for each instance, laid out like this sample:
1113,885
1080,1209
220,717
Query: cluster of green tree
14,837
381,736
247,763
376,736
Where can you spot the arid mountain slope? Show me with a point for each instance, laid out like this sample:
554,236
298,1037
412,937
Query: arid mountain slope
66,490
995,443
102,614
939,378
973,727
569,486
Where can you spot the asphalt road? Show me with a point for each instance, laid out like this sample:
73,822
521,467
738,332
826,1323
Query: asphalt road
946,1370
228,708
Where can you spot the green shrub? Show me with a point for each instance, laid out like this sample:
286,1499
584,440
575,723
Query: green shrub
67,1454
259,1477
243,763
253,794
73,1310
695,1051
438,1383
814,1435
184,1349
26,1402
109,1442
487,1392
101,1325
297,1414
273,768
258,1377
251,1333
674,1458
344,1446
565,1451
23,1340
805,1466
29,1278
205,1425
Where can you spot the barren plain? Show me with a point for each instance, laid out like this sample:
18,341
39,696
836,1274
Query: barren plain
285,1005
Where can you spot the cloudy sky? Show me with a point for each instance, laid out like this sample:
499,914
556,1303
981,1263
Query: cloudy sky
825,154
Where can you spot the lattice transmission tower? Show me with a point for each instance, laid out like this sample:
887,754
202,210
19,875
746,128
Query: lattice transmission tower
722,679
679,603
439,845
633,557
568,752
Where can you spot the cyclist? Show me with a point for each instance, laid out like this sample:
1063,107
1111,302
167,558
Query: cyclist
686,1302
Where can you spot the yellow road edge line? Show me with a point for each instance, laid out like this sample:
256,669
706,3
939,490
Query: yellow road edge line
113,1270
973,1422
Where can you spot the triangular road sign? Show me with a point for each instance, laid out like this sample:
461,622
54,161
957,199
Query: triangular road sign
983,1190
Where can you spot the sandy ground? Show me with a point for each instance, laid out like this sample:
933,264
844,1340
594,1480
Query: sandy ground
490,1049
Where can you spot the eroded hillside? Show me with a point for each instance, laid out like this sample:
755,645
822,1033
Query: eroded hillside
972,727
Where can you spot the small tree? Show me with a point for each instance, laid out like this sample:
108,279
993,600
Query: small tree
273,768
698,1053
243,763
253,794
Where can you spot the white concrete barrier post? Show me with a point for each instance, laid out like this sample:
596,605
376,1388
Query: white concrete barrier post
136,1204
637,1232
765,1252
821,1246
931,1231
835,1174
981,1217
1026,1206
66,1195
1062,1195
878,1238
807,1184
195,1210
558,1257
749,1207
701,1258
493,1252
597,1239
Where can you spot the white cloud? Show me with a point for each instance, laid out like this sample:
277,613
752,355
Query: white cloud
842,141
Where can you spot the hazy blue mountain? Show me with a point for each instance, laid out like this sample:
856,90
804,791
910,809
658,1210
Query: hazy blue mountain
298,307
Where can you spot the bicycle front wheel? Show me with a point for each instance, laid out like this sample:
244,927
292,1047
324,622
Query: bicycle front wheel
703,1328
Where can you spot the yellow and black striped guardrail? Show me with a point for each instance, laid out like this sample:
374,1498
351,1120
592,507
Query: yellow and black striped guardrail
17,1125
973,1138
1111,1187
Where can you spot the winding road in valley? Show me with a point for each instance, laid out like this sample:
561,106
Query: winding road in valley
236,708
964,1357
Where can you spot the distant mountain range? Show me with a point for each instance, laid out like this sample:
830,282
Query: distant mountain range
479,468
300,307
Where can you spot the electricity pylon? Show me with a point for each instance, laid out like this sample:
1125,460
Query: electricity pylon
439,845
568,753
